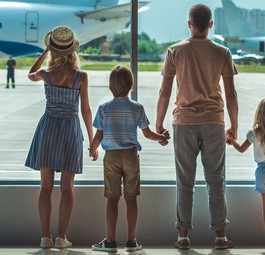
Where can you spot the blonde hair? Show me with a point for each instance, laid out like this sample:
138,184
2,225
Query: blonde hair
259,122
60,63
120,81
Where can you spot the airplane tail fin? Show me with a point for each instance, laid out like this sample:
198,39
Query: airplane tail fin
237,23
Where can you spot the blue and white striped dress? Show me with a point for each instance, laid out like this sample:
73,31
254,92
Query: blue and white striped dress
58,140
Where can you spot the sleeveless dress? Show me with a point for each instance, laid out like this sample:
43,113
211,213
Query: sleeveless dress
58,140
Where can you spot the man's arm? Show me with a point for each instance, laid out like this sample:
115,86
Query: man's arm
163,102
231,104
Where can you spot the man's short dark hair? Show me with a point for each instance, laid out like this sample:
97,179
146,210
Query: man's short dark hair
200,16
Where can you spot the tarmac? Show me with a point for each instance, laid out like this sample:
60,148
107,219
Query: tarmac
22,107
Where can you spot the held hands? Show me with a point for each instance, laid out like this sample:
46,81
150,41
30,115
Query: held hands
166,137
93,154
230,135
229,139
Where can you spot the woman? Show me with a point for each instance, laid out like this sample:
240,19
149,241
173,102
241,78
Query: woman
58,140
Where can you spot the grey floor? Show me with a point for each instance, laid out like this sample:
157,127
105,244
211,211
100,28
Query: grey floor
150,250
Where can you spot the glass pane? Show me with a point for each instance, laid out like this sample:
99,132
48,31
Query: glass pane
166,23
22,107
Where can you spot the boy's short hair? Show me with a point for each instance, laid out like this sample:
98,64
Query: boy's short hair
120,81
200,16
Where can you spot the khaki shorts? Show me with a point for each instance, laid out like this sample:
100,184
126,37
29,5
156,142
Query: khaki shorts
121,167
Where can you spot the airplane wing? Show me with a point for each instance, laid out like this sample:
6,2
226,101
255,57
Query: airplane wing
233,39
104,14
230,39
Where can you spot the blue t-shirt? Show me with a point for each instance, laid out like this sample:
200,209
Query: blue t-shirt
119,119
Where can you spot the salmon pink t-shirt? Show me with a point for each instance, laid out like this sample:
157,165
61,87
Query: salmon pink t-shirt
198,65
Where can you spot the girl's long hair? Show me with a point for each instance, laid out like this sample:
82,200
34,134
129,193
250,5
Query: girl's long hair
60,64
259,122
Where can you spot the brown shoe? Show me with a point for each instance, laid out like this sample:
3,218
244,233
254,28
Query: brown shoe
223,244
183,244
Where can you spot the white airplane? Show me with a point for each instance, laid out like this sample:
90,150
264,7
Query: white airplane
24,24
242,35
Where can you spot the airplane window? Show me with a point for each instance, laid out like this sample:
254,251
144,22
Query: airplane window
238,25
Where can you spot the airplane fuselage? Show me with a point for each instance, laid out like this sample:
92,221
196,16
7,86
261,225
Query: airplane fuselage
250,44
23,26
255,45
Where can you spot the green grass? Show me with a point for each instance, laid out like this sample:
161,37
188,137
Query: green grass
92,65
27,62
253,68
142,66
22,62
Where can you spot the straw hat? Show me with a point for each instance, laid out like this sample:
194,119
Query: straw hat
61,40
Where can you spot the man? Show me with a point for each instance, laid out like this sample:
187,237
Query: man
198,120
10,64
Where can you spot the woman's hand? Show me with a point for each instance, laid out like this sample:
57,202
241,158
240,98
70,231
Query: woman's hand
94,155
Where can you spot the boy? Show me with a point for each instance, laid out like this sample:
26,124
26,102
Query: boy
116,122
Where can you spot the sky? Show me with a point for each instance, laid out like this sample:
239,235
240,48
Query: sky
166,20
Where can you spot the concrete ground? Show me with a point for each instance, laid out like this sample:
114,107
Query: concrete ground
22,107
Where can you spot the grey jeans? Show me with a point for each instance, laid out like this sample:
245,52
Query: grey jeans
189,141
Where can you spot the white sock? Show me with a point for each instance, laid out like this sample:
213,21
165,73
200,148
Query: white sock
221,238
180,238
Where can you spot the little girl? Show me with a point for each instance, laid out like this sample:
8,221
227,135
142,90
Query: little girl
257,137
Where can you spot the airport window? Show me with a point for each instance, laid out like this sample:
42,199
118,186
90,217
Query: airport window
159,25
172,27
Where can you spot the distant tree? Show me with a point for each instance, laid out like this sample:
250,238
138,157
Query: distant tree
94,47
121,43
91,50
144,36
147,48
164,46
